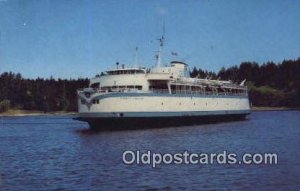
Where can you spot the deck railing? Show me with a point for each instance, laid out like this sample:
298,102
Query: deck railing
166,91
199,92
99,90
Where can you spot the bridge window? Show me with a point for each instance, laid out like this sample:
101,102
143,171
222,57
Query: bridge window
128,71
119,88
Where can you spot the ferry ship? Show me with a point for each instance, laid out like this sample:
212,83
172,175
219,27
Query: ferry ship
135,97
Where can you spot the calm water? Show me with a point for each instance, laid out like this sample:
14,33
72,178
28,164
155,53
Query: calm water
58,153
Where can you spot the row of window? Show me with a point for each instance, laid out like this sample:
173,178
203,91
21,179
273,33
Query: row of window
120,72
120,87
175,88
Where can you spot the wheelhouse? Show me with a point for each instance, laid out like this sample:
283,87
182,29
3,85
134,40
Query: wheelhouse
127,71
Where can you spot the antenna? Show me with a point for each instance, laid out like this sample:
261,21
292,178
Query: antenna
164,30
163,35
136,57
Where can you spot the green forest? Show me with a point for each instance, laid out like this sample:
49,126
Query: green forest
270,85
39,94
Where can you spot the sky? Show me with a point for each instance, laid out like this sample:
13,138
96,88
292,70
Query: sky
78,38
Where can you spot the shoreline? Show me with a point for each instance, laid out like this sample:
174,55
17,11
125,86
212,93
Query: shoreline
20,112
254,108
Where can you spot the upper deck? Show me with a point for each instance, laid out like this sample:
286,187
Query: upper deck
173,79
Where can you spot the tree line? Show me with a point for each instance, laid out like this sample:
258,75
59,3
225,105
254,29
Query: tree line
39,94
269,84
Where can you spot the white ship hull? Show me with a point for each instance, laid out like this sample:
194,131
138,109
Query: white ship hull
113,108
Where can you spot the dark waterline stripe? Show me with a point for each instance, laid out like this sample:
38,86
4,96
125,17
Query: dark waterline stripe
162,114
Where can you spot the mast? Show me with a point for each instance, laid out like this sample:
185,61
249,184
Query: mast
136,57
160,50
